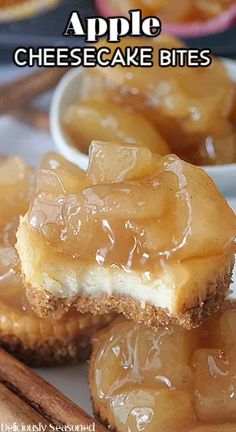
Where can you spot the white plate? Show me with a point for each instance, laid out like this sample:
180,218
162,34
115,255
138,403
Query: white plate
70,89
31,145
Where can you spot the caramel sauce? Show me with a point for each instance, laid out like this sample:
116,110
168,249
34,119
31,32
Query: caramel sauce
131,210
12,292
16,184
170,380
16,188
183,11
187,111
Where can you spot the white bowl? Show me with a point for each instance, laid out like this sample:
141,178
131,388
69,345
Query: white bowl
70,89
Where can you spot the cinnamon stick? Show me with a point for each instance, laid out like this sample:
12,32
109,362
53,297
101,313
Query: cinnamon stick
48,402
23,90
15,410
33,117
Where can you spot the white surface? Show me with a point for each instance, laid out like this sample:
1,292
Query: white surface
70,90
72,382
18,138
31,145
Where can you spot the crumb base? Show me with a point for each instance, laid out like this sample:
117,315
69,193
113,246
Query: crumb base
47,305
52,353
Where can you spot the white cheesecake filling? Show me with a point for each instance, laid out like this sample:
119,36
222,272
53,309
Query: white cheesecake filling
64,277
182,284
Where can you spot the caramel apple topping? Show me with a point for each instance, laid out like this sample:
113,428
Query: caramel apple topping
171,380
132,209
16,185
16,316
184,110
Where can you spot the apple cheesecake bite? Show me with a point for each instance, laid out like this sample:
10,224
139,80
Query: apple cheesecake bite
181,109
34,340
147,236
169,380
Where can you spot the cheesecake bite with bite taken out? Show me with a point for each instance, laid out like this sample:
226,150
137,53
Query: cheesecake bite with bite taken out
147,236
34,340
170,380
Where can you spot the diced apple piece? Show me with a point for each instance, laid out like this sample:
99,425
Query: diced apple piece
152,411
15,182
215,385
223,331
107,121
228,328
133,208
56,176
109,349
111,163
191,111
57,182
9,282
160,359
54,161
182,94
168,353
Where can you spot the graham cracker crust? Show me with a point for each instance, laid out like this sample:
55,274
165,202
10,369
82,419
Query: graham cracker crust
53,353
54,350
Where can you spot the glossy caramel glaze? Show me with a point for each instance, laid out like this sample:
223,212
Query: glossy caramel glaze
16,188
187,111
16,317
171,380
132,209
